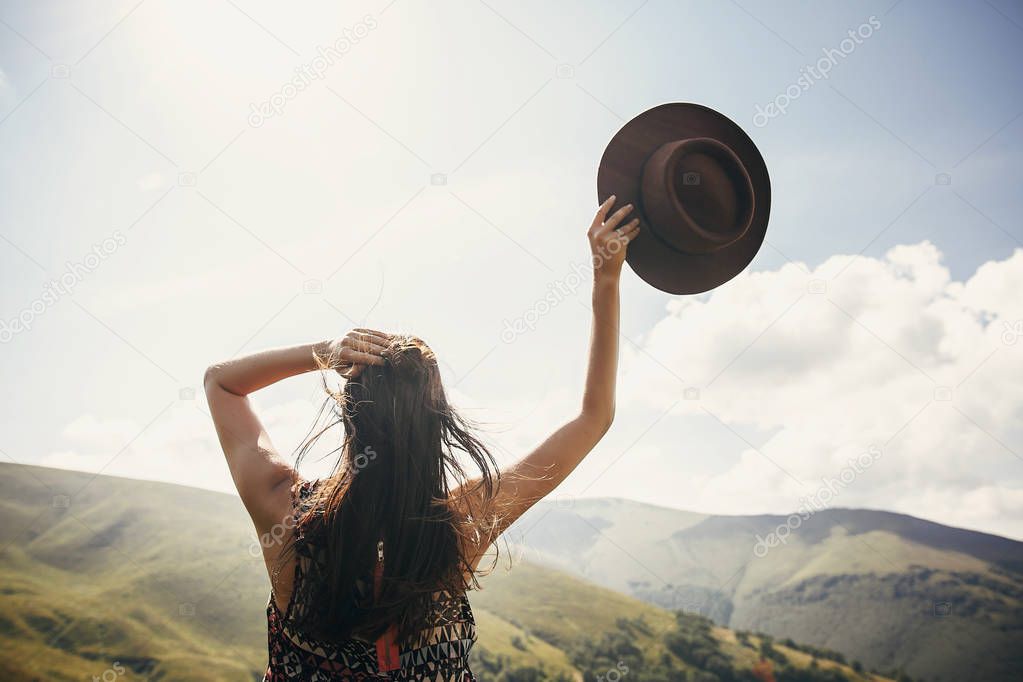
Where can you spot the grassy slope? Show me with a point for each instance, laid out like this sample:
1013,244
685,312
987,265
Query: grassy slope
500,637
558,609
868,583
158,579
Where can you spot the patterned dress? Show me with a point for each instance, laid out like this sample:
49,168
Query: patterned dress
438,653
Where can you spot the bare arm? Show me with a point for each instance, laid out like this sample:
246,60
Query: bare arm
264,478
542,470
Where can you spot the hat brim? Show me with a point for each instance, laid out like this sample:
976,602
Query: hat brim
621,173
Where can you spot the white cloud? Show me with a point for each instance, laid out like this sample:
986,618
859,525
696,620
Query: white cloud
869,362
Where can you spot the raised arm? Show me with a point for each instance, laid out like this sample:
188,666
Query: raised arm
264,478
542,470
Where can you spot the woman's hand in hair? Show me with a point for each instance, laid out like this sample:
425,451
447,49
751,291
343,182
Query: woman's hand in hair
356,349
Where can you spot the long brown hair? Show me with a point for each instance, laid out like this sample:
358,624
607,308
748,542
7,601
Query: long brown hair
403,452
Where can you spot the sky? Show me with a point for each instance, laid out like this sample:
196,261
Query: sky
170,200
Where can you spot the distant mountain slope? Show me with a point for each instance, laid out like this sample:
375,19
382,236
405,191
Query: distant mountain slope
888,589
113,578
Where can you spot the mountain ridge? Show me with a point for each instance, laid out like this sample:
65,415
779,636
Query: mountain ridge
830,579
772,516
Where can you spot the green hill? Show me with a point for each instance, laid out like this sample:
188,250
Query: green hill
114,578
890,590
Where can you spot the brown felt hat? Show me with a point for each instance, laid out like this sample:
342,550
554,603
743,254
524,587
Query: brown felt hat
700,189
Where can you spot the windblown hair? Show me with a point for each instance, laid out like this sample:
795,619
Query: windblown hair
403,453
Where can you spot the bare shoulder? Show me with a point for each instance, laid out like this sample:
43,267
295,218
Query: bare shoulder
275,512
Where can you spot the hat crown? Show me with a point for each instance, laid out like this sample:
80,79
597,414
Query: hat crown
697,195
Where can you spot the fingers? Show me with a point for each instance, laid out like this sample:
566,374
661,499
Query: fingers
630,233
381,337
351,371
602,211
630,229
625,234
367,343
616,218
360,357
